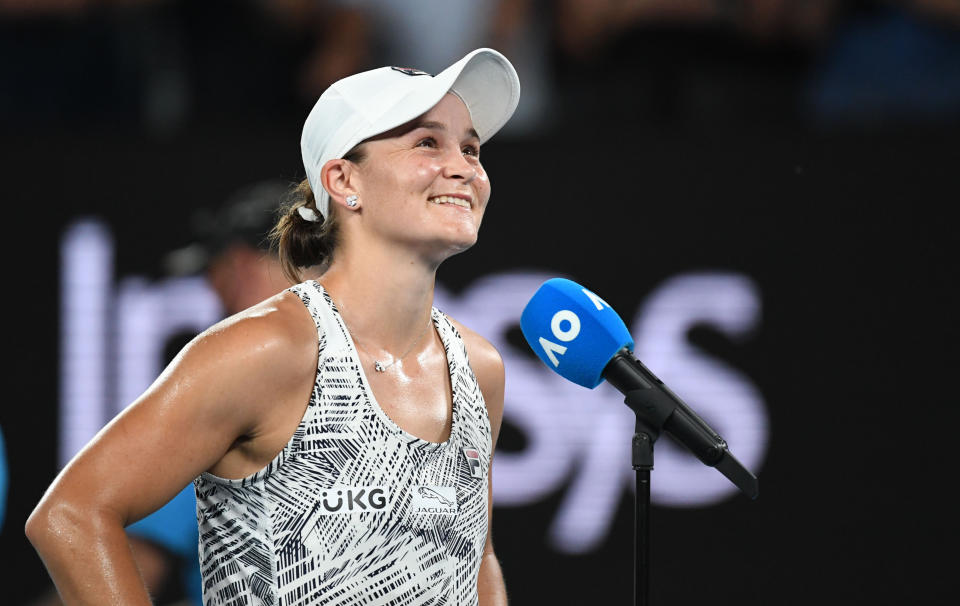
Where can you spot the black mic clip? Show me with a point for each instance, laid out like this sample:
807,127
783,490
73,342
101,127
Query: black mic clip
651,414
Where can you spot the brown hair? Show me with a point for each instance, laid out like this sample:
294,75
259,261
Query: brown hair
300,243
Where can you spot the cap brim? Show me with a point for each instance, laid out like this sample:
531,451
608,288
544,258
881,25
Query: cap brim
484,80
489,86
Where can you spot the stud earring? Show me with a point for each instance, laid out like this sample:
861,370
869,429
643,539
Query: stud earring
352,200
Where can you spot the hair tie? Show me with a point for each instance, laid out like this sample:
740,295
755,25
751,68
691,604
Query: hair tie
308,214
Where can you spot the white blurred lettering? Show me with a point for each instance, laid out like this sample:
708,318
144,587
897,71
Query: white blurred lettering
112,348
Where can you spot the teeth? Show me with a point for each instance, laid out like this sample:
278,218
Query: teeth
450,200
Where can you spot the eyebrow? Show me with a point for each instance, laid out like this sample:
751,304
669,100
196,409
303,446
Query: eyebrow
431,125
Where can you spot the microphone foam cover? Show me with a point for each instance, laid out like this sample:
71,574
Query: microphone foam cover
574,332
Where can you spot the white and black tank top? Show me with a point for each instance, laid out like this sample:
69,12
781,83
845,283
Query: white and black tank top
354,510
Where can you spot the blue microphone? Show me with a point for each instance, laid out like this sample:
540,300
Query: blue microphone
579,336
573,331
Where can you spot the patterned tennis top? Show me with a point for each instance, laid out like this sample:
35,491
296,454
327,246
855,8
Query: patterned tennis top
354,510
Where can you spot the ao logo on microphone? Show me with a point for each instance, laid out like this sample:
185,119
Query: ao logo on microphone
565,326
561,313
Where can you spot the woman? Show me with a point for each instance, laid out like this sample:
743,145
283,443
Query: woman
341,432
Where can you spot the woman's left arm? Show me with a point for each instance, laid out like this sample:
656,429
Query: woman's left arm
488,367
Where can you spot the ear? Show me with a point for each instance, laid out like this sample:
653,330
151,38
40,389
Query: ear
338,177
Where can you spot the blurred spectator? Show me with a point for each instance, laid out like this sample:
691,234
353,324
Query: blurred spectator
665,63
33,8
162,64
429,34
167,64
170,63
945,9
890,65
424,34
584,26
232,249
522,29
721,62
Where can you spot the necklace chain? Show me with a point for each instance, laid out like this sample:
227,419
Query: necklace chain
377,364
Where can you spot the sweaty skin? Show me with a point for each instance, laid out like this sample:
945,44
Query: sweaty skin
229,402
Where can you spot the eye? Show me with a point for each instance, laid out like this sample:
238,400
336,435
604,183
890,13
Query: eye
427,142
472,150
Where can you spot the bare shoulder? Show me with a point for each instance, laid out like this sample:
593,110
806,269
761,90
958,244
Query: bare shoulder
275,332
486,362
281,320
227,383
251,358
483,355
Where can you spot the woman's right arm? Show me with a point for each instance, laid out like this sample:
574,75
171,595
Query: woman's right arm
227,384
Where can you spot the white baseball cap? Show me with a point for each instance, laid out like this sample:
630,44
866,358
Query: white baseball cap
372,102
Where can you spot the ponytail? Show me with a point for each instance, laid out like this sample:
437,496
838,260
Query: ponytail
301,243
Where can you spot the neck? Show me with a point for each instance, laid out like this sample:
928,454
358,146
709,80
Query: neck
384,295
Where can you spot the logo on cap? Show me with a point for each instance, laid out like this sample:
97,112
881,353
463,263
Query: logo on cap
410,71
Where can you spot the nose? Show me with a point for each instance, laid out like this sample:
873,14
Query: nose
455,166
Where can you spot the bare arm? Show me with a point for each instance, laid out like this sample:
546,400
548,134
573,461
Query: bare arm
220,388
488,367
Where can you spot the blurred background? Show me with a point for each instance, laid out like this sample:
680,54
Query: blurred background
761,189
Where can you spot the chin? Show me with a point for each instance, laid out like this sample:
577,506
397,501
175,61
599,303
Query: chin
466,238
454,245
458,246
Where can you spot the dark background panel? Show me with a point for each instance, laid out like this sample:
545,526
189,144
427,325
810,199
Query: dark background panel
851,353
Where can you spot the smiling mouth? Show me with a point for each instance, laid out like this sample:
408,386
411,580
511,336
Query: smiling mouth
451,200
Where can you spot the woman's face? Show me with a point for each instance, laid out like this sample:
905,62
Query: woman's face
423,184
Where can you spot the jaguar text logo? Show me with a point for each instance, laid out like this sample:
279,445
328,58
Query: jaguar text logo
434,499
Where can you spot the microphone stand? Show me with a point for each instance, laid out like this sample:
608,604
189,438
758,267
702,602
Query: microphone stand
642,464
646,432
655,406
